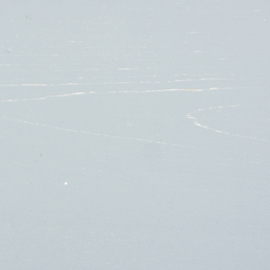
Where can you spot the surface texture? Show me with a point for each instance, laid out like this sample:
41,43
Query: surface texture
134,135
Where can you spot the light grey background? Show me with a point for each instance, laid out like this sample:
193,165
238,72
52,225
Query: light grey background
134,135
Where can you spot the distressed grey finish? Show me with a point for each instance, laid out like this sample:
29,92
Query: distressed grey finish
134,135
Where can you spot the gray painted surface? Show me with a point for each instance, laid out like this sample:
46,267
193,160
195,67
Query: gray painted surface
134,136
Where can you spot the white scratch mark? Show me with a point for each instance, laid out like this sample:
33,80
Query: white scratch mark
190,116
93,133
46,97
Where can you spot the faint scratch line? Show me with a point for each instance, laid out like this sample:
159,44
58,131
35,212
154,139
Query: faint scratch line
93,133
196,123
42,98
110,92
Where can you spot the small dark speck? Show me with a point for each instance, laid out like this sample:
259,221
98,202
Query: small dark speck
41,155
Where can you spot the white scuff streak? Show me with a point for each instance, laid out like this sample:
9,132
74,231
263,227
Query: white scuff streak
154,91
46,97
105,83
212,79
93,133
113,92
72,84
190,116
80,84
96,92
